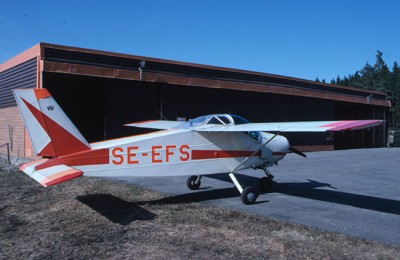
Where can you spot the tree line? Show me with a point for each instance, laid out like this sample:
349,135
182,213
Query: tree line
377,77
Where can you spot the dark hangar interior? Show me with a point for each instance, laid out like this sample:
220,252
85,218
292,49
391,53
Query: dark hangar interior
101,91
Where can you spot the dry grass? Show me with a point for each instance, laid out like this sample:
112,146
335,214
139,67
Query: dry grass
94,218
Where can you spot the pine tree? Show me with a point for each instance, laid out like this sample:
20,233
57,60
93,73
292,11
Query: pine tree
356,80
367,76
394,95
380,78
338,80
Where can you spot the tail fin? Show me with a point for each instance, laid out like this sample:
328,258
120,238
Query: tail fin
51,132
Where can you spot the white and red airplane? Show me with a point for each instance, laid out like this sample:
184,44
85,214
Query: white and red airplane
219,143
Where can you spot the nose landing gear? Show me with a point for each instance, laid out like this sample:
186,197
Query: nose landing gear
265,183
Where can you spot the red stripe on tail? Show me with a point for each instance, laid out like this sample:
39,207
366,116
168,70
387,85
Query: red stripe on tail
62,142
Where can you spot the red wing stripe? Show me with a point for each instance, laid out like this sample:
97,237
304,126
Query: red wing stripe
349,125
143,122
213,154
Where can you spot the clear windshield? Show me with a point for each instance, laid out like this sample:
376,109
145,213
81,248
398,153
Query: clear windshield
194,122
221,119
218,119
239,120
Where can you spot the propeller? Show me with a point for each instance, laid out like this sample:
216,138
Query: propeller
294,150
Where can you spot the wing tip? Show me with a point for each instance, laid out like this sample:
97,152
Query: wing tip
354,125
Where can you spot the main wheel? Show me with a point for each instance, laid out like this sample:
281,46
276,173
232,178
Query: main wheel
191,182
265,184
249,195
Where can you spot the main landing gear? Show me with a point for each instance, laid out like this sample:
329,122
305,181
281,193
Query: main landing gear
193,182
248,195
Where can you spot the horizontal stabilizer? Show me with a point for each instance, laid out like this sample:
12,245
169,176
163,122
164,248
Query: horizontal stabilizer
156,124
51,175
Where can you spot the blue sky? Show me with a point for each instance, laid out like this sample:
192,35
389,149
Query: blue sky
304,39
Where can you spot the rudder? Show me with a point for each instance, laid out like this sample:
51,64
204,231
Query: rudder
51,132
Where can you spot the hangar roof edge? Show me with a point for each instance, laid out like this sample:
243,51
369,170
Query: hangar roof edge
28,54
185,73
197,65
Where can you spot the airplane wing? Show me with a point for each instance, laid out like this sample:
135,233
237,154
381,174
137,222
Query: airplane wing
51,175
156,124
311,126
307,126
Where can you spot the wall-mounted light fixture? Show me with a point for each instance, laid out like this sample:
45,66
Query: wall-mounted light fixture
142,64
369,97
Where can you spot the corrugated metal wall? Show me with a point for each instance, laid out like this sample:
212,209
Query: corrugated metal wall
20,76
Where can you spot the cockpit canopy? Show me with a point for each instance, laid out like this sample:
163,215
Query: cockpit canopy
220,119
215,119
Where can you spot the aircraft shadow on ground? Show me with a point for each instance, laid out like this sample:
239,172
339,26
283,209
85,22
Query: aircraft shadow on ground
198,196
115,209
123,212
309,190
207,192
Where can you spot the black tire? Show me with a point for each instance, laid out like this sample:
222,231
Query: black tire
191,182
265,184
249,195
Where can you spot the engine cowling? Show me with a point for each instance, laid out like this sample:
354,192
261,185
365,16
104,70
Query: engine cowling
276,149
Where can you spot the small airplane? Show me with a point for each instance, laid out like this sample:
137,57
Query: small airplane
212,144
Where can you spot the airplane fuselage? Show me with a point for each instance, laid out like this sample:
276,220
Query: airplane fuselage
177,152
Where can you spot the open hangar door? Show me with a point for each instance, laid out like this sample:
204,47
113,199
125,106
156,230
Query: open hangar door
126,102
82,99
101,106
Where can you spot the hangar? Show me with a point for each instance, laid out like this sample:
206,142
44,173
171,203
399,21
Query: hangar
101,91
